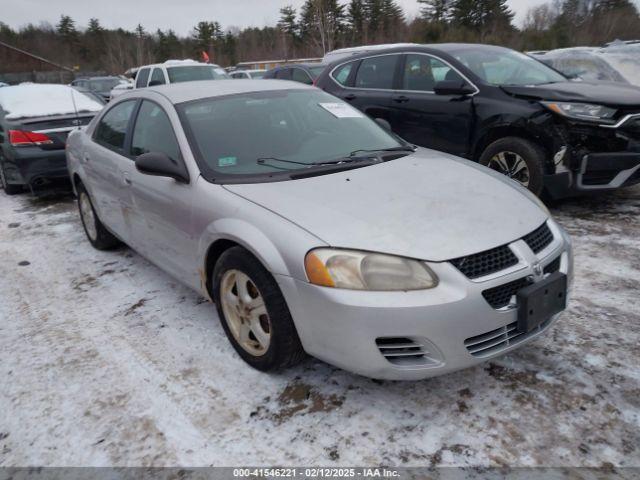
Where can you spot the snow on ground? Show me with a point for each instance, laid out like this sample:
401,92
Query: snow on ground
106,360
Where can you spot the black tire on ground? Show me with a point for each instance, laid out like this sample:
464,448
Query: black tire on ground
532,154
104,240
284,349
8,188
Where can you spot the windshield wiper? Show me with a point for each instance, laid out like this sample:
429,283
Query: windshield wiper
353,158
264,160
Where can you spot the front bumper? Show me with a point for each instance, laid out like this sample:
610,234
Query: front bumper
598,172
350,329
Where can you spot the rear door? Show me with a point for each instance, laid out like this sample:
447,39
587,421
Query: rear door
162,218
373,84
441,122
108,170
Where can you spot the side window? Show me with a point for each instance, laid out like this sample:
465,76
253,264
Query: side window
299,75
112,128
153,132
142,77
422,72
283,74
157,77
341,74
377,72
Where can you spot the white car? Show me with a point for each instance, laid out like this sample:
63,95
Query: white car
177,71
247,74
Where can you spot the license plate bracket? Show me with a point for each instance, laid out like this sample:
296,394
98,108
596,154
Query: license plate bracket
541,300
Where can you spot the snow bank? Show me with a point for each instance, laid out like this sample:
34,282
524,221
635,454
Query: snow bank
40,100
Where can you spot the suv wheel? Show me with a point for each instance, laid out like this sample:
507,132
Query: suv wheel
518,159
97,234
253,312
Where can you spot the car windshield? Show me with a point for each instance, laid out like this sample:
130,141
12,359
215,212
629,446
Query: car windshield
506,67
195,72
259,133
103,85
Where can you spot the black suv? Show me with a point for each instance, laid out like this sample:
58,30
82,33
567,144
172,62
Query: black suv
501,108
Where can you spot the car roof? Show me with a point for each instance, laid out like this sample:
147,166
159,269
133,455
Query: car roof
188,91
306,65
178,63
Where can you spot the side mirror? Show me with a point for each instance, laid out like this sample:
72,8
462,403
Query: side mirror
160,165
383,123
453,87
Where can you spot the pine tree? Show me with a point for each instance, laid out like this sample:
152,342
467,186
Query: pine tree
356,20
290,30
438,11
392,19
94,27
321,22
66,28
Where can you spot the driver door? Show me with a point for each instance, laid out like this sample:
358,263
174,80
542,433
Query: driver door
162,229
420,116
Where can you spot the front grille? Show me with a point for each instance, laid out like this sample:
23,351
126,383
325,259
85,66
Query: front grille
403,351
539,238
493,342
500,296
554,266
485,263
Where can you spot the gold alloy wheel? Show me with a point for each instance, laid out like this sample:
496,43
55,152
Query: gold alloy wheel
245,312
512,165
88,218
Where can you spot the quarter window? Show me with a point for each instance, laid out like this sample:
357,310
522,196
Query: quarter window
341,75
112,129
377,72
299,75
422,72
142,77
153,132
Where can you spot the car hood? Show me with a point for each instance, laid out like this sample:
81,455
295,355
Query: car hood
427,205
613,94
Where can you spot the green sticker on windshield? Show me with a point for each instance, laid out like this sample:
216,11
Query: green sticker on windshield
227,161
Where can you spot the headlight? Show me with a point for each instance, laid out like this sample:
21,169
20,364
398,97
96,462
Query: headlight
581,111
354,270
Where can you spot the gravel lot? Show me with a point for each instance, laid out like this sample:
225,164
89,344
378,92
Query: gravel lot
105,360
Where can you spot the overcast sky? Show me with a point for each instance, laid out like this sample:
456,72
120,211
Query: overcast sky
180,15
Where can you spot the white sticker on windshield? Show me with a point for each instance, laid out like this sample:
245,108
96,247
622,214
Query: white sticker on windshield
341,110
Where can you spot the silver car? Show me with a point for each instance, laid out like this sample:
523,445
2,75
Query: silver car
314,229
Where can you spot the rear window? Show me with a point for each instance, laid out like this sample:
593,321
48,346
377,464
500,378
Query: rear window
341,74
112,129
103,85
194,73
316,71
142,77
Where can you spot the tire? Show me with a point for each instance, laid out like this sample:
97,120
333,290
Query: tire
236,266
8,188
99,237
505,156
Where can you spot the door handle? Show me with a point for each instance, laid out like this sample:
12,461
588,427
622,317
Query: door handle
125,178
350,97
85,158
401,99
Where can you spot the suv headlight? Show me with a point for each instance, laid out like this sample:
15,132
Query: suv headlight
581,111
355,270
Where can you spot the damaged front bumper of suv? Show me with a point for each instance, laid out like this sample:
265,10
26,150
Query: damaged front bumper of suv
595,158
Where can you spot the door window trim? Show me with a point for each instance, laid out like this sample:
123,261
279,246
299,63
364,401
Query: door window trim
431,92
129,139
397,80
125,147
355,73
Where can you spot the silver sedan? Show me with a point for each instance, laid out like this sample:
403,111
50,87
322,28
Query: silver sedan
314,229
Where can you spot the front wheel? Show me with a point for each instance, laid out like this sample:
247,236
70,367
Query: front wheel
518,159
253,312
